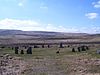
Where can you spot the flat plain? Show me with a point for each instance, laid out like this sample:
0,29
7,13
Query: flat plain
45,61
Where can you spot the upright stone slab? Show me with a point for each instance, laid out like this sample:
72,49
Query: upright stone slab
79,49
25,47
35,46
29,50
83,48
73,49
61,45
16,50
68,46
22,52
48,46
42,46
87,48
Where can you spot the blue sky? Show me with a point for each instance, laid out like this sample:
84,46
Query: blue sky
51,15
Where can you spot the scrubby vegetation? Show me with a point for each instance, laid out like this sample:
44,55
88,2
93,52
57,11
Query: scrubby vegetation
46,61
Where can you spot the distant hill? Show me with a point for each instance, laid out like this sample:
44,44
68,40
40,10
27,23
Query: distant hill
19,36
38,33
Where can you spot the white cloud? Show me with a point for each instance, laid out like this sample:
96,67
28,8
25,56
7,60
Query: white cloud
91,15
96,4
20,4
43,7
17,24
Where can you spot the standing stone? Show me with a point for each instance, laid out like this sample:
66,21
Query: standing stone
79,49
42,46
61,45
57,52
87,48
16,50
83,48
48,46
25,47
68,46
22,52
35,46
73,49
29,50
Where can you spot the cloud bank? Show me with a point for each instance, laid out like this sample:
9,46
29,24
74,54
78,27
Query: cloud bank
30,25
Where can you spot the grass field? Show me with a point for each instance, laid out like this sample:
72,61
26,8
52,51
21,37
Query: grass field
45,61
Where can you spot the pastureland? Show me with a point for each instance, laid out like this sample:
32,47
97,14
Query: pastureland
45,61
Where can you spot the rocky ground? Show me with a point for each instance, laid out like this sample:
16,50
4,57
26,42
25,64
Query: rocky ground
11,65
65,66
